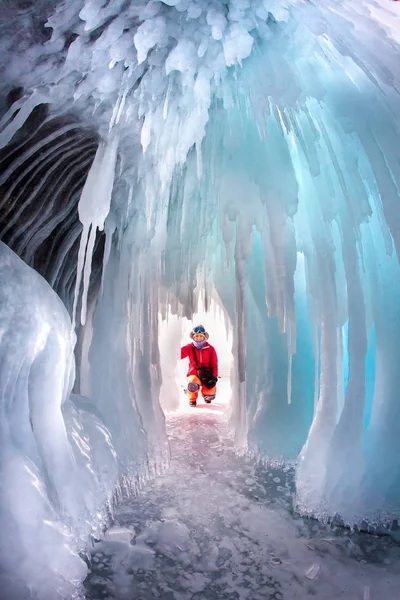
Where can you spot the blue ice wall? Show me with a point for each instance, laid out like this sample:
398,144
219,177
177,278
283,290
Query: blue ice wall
278,424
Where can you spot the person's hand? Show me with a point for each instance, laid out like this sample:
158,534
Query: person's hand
212,382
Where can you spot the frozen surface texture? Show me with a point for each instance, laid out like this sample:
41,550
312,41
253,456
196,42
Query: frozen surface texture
250,153
218,526
58,466
61,455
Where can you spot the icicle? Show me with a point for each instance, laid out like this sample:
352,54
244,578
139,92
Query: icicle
87,271
277,230
166,103
8,117
317,368
289,379
24,111
93,208
121,106
240,308
270,283
118,108
110,226
79,270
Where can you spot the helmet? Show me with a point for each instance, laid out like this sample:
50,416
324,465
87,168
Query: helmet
199,329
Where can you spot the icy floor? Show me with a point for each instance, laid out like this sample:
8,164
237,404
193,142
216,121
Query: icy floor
216,526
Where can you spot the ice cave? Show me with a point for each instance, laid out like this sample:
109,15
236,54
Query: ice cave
170,162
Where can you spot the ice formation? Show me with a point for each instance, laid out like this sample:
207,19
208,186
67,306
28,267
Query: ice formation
59,468
249,152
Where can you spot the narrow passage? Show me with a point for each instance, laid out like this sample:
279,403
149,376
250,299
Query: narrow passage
218,526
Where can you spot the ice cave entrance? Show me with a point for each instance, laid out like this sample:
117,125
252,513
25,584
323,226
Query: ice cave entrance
174,333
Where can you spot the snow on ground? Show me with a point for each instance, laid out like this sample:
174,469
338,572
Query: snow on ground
219,526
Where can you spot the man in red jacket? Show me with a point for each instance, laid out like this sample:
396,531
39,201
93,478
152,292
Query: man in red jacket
203,366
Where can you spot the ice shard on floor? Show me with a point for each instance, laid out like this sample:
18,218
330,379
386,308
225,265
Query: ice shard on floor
153,153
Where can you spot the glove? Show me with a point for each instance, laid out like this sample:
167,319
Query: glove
211,382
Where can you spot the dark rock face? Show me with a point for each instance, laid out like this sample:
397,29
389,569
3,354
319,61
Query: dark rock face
42,173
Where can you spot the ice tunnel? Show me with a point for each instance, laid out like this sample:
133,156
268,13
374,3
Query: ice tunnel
155,153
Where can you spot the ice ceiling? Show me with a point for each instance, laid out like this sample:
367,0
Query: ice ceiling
156,151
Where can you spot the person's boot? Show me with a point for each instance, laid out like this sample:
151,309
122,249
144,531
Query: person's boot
192,402
208,399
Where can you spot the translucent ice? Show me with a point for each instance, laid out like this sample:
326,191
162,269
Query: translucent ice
58,465
93,208
257,165
313,571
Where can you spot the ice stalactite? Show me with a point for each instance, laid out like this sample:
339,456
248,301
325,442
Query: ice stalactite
93,208
313,459
171,336
17,115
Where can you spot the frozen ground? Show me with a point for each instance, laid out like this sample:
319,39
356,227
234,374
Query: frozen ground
218,526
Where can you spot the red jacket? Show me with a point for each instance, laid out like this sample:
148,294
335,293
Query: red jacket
205,356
